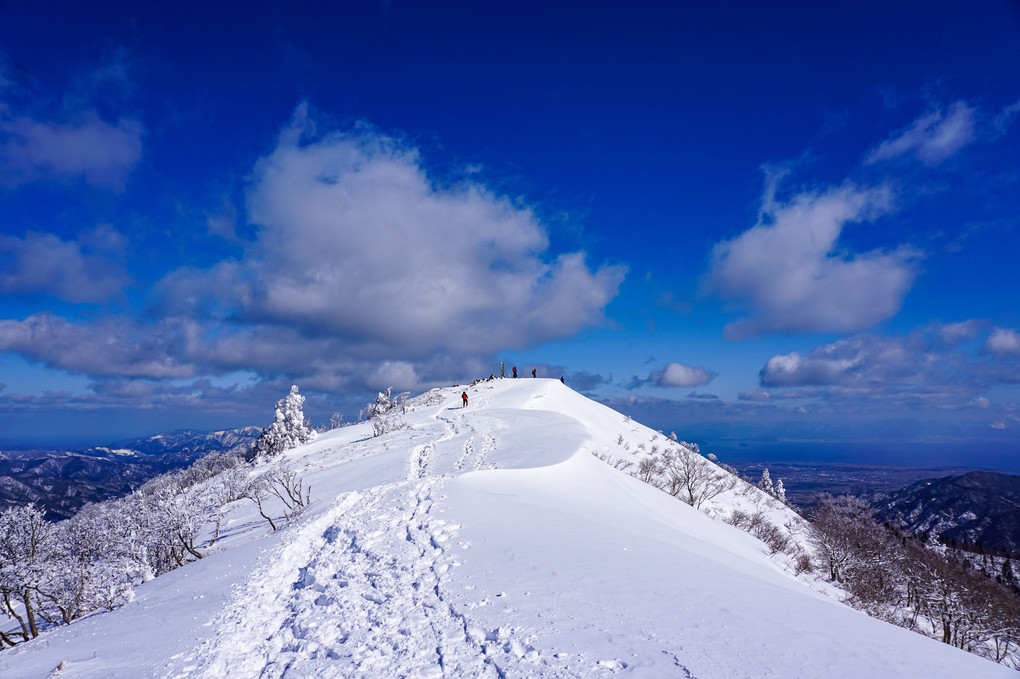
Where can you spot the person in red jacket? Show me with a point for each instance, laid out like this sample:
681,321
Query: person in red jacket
533,371
464,396
515,372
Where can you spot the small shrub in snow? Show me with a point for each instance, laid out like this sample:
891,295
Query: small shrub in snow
777,539
283,483
384,424
803,564
615,462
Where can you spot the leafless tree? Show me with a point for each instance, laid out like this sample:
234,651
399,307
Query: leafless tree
691,478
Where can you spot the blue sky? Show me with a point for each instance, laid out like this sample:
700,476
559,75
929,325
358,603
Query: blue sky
788,229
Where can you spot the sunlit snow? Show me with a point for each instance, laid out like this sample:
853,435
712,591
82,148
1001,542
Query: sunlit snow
487,541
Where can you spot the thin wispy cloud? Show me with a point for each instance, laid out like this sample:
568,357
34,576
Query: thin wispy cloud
932,138
1005,118
69,138
101,153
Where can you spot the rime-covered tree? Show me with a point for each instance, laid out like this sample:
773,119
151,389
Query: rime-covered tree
26,551
780,491
766,482
288,430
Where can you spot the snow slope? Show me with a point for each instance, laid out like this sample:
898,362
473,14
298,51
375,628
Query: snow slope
484,542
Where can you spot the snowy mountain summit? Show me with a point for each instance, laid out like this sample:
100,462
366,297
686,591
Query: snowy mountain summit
509,538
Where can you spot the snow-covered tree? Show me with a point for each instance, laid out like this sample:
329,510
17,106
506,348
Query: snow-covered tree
780,491
26,549
288,430
766,482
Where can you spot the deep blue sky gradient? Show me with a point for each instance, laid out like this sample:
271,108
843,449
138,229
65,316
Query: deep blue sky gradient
652,137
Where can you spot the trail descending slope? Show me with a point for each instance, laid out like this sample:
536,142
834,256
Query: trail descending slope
490,542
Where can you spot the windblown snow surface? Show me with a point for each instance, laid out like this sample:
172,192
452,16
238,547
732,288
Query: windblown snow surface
486,541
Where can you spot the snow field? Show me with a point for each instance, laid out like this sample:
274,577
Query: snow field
486,541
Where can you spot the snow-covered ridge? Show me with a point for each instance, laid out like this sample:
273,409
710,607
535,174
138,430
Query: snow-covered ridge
496,540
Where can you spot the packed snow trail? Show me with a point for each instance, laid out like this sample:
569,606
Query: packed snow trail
358,592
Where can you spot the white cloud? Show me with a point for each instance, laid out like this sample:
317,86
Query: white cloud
87,147
1003,342
920,366
958,333
90,269
859,361
357,241
680,375
790,274
108,347
933,138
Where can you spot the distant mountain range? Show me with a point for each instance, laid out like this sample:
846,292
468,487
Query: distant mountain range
979,507
62,481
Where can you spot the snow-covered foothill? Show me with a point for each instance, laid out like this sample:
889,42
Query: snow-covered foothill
497,540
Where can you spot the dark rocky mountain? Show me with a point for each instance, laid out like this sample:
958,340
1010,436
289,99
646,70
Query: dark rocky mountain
61,481
981,508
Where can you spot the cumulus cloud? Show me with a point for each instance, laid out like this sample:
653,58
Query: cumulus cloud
932,138
356,240
680,375
184,348
921,365
109,347
85,147
90,269
1003,342
790,274
860,360
675,375
365,272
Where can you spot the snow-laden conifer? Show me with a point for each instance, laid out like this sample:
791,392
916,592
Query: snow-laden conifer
288,430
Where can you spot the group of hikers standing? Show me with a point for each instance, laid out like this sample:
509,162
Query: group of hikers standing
534,373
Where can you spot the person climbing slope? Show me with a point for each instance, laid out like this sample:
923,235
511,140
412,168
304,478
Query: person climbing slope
464,396
533,371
